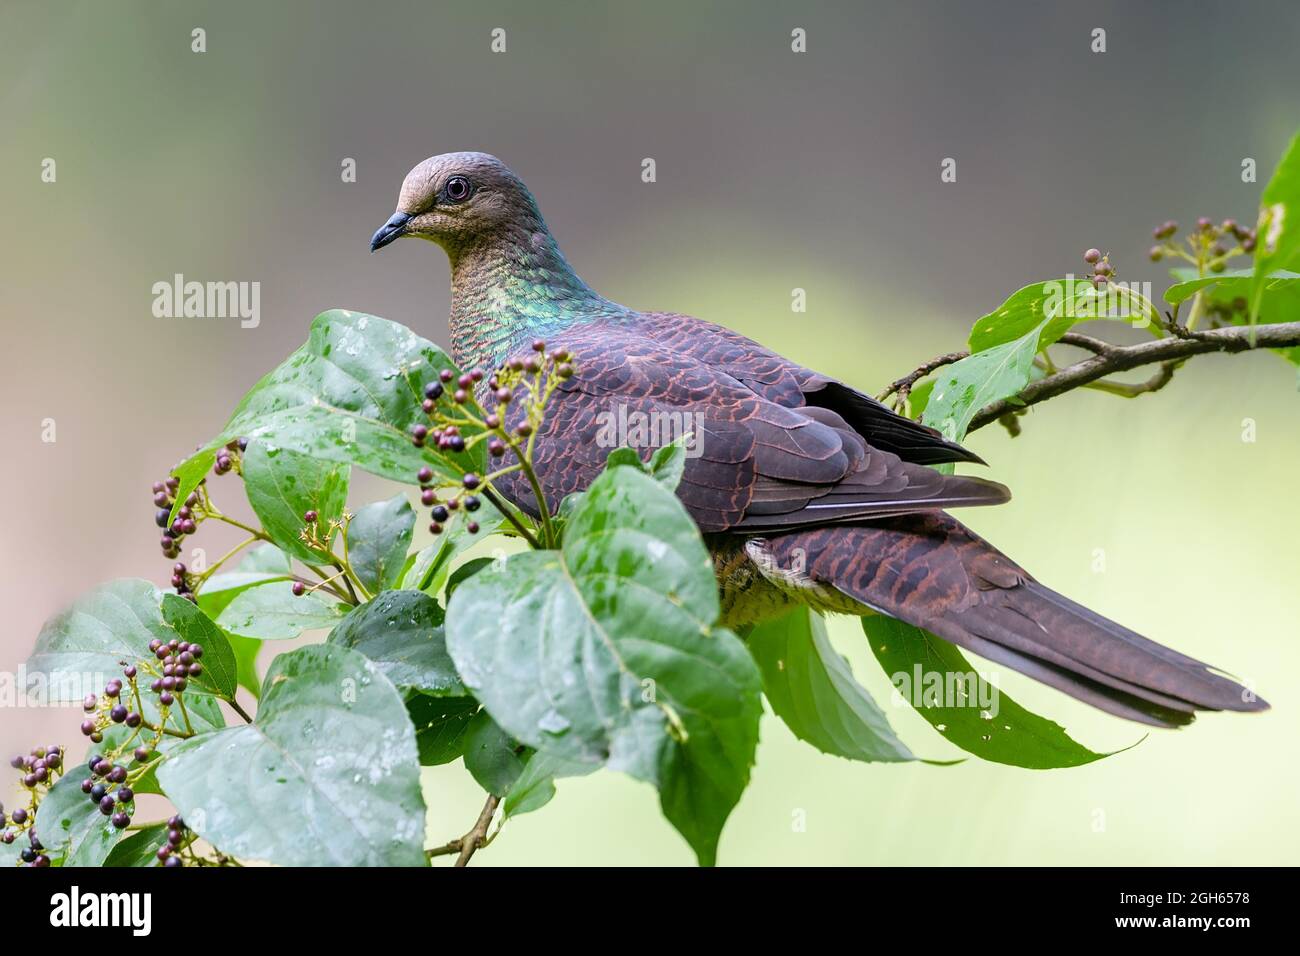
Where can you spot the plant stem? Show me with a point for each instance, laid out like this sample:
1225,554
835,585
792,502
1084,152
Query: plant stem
203,578
508,512
180,699
255,532
234,705
347,582
478,835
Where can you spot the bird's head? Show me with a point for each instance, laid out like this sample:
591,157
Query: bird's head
458,200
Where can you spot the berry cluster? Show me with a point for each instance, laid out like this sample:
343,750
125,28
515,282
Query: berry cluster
190,514
451,405
108,788
1208,246
228,458
179,661
1102,270
34,853
111,775
179,838
175,663
186,520
40,765
39,768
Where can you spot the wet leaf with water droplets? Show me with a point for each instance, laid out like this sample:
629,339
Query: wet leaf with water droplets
327,775
379,536
812,689
283,485
580,654
1019,737
402,632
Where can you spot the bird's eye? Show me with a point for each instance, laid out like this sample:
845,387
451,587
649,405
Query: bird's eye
457,189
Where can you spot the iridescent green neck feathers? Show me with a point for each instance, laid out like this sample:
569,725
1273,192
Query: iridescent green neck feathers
513,286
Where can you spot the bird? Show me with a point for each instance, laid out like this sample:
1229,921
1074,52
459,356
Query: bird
807,491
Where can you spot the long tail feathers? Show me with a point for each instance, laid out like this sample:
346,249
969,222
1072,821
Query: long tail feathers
931,571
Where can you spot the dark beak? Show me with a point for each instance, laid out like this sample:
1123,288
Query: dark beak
393,229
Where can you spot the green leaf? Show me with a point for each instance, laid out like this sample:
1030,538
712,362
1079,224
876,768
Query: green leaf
9,853
465,572
1278,233
1281,287
283,485
962,389
533,789
140,848
492,757
535,785
260,564
378,538
431,568
272,612
402,632
191,473
666,464
1052,308
264,559
82,647
523,778
72,827
120,742
1279,298
220,669
327,775
440,726
919,398
812,689
114,622
1003,732
350,395
221,589
605,653
246,650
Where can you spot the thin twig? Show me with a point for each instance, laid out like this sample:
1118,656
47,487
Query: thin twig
903,386
501,506
1094,345
471,841
1174,349
1133,390
347,582
475,838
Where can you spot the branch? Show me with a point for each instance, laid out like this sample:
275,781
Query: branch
903,387
1108,359
471,841
477,837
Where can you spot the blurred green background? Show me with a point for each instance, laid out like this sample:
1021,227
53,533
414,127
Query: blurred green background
775,171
